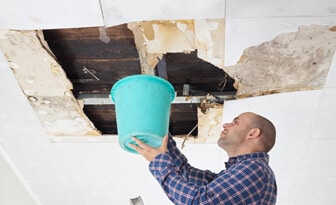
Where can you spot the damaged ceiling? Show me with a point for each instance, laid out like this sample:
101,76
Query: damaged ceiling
77,67
67,74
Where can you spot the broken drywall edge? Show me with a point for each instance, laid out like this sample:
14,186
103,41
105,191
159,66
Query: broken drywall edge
26,57
155,38
147,61
210,44
291,62
49,92
170,37
258,72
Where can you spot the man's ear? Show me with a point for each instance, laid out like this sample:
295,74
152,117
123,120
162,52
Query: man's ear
254,133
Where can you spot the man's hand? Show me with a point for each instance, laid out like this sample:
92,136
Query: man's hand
147,151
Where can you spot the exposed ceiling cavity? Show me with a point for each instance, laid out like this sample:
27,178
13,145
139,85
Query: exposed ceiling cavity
67,74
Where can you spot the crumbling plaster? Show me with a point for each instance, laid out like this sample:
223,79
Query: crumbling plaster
44,83
290,62
155,38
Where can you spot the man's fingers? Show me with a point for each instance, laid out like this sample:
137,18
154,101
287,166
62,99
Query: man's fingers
133,146
148,151
140,143
136,148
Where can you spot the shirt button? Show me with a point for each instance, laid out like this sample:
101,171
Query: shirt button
210,194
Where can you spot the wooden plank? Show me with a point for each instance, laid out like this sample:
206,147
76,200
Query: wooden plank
180,65
105,70
80,89
103,117
183,118
93,49
201,76
183,128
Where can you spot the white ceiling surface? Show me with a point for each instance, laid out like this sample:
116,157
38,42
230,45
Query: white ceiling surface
262,19
250,23
101,173
48,14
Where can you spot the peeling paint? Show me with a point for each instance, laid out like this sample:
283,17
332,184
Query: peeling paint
147,61
210,44
155,38
169,36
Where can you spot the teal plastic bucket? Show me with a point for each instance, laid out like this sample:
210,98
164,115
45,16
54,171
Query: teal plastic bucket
142,106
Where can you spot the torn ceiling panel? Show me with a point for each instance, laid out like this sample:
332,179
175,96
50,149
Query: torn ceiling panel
44,83
209,40
291,62
155,38
27,56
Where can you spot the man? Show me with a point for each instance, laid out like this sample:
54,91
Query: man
247,179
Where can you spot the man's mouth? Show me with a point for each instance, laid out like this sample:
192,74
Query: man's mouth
223,132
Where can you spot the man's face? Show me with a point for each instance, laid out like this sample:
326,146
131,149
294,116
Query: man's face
235,132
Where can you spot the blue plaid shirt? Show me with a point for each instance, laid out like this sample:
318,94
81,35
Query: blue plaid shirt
247,179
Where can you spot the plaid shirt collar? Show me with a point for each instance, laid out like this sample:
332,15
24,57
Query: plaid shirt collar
254,156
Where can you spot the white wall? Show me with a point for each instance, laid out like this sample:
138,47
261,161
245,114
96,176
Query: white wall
91,171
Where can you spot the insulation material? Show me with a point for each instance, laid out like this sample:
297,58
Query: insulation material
291,62
44,83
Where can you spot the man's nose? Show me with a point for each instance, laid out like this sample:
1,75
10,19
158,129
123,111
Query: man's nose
226,125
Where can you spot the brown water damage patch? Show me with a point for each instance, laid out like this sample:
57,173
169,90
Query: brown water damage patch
291,62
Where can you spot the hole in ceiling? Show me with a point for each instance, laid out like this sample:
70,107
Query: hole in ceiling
94,66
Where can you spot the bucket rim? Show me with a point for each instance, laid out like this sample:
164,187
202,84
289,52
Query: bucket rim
144,76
